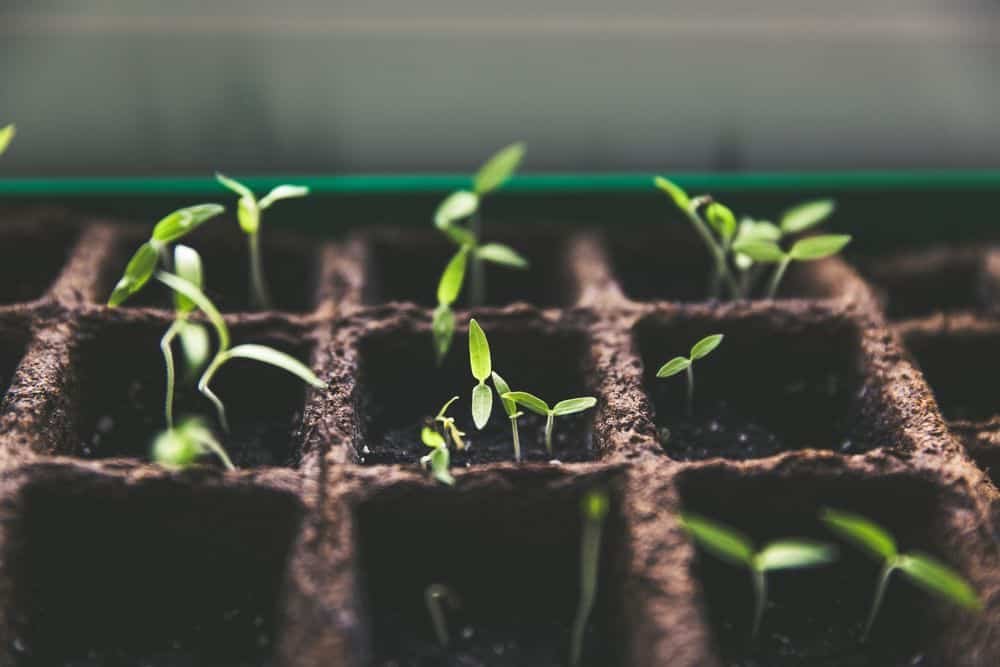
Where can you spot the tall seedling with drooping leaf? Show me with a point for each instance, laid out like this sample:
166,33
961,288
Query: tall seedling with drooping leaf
699,350
482,368
920,568
570,406
513,414
809,249
595,506
249,210
6,136
734,548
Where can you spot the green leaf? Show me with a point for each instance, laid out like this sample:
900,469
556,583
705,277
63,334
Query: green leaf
596,505
758,230
456,206
283,192
530,401
573,405
482,405
760,251
196,345
862,532
722,220
495,171
939,578
479,352
6,136
795,554
501,254
673,367
187,265
183,221
277,358
248,215
234,185
440,461
138,271
818,247
443,330
450,285
432,438
721,540
175,448
204,304
444,408
706,346
805,216
680,197
509,406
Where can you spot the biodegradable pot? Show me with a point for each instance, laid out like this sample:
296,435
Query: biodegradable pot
318,550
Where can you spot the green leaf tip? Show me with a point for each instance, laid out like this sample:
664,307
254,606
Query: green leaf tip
721,540
529,401
940,579
722,220
818,247
498,253
479,352
498,169
456,206
706,346
676,193
673,367
571,406
138,271
278,359
450,285
807,215
795,554
183,221
862,532
765,252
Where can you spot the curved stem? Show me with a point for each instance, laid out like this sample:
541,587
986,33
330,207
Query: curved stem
259,295
203,387
772,289
883,581
218,450
168,360
718,254
549,424
517,439
760,593
590,553
690,390
434,597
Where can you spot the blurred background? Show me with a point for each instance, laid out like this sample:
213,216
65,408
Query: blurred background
136,87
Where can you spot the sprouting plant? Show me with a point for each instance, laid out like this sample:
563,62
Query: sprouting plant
561,409
225,353
594,508
699,350
6,136
733,547
513,414
248,212
920,568
459,206
439,458
181,445
448,426
804,250
482,368
436,597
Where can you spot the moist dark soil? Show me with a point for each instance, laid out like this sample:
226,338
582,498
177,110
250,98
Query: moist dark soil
32,258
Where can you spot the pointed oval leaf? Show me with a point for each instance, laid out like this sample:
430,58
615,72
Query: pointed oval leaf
6,136
721,540
680,197
818,247
183,221
456,206
861,532
278,359
187,265
706,346
765,252
495,171
450,285
573,405
501,386
234,185
248,215
722,220
440,461
482,405
138,271
758,230
432,438
283,192
479,352
940,579
806,215
443,330
501,254
673,367
795,554
530,401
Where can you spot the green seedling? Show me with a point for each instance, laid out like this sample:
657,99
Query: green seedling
437,597
464,205
805,250
448,426
182,445
248,212
923,570
700,350
482,369
594,508
513,414
439,459
561,409
225,353
6,136
733,547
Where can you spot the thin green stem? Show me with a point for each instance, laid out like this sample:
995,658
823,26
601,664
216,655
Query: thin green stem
883,581
517,438
718,254
206,391
779,272
219,451
259,295
477,272
549,425
434,596
590,554
690,390
760,593
168,361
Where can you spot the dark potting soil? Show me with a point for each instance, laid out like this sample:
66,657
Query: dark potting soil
31,259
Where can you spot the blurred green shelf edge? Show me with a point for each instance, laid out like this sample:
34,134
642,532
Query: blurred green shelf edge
542,183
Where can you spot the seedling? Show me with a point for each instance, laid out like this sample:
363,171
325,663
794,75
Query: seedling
805,250
6,136
923,570
561,409
513,414
248,212
594,510
182,445
437,597
439,458
700,350
482,368
731,546
462,205
448,426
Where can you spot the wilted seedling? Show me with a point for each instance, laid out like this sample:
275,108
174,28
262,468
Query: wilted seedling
733,547
923,570
248,212
700,350
437,597
805,250
182,445
6,136
561,409
482,368
594,510
513,414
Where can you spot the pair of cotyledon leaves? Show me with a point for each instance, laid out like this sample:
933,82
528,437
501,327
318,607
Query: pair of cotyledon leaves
699,350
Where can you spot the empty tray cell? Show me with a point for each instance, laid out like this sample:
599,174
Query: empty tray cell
290,268
510,552
669,262
121,385
816,616
401,388
407,266
775,384
940,279
155,574
32,257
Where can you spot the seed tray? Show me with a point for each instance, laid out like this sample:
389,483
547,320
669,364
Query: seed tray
317,550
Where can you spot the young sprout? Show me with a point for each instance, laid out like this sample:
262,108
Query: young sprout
182,445
436,597
448,426
510,407
568,407
6,136
439,459
920,568
248,212
805,250
225,353
482,369
700,350
733,547
594,510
